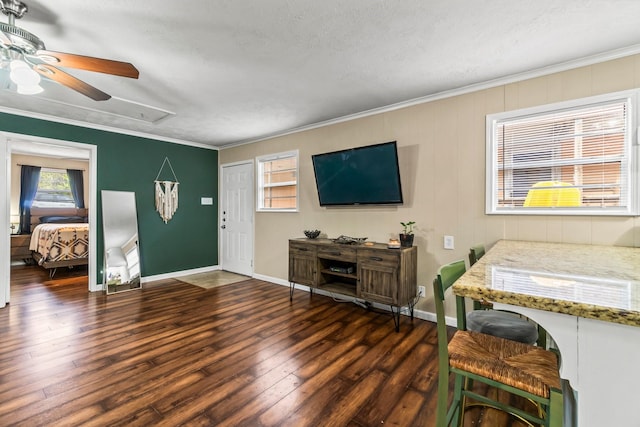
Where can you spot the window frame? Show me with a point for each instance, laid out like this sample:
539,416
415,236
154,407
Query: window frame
629,163
260,186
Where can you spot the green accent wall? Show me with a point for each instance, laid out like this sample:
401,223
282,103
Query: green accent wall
131,163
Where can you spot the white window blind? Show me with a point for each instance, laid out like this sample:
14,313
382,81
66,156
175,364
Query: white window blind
564,159
278,182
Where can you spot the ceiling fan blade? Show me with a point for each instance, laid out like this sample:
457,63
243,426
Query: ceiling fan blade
68,80
89,63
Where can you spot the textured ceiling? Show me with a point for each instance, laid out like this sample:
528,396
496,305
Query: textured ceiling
221,72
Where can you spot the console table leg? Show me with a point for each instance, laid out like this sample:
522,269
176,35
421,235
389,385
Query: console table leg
412,304
396,317
292,286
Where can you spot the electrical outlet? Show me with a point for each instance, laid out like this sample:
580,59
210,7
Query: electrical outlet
448,242
421,291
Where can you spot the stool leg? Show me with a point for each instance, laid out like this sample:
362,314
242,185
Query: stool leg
458,400
555,414
443,398
542,338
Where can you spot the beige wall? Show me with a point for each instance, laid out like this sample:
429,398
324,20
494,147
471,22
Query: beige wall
442,155
45,162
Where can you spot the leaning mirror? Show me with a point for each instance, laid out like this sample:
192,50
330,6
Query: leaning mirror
121,254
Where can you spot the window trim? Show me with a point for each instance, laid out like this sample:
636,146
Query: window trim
631,155
260,160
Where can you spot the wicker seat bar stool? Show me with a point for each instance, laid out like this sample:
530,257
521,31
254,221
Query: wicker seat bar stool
520,369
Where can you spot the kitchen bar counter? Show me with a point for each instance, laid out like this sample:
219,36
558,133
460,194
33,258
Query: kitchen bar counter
587,298
596,282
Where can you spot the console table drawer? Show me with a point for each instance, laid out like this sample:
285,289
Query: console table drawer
302,249
374,256
338,253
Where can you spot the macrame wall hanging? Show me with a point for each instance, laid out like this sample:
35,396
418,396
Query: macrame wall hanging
166,194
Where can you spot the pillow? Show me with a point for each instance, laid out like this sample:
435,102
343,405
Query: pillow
53,219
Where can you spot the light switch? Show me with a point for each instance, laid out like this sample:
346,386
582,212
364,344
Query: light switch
448,242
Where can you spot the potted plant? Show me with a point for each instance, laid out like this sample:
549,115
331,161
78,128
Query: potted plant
406,237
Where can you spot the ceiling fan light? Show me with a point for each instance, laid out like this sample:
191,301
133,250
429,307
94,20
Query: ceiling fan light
18,63
29,90
22,75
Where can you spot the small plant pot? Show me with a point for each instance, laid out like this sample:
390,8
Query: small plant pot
406,240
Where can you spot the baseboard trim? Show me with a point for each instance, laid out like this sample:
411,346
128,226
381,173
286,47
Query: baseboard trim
176,274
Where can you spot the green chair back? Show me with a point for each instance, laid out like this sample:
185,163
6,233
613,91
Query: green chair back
446,277
475,253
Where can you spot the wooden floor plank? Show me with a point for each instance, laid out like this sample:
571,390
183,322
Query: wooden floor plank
176,354
278,411
377,409
341,411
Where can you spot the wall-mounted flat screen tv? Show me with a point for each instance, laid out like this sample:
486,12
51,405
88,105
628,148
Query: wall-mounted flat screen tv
359,176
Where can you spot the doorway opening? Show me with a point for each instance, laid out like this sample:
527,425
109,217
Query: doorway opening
49,154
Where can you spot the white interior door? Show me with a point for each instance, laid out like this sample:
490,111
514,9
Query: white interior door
236,218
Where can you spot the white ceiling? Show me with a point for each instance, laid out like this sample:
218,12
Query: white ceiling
231,71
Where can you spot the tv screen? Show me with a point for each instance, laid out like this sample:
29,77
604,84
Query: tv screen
359,176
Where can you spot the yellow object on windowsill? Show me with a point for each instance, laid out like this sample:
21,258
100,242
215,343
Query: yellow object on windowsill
553,194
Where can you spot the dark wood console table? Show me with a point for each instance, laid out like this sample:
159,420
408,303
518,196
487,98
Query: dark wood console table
375,273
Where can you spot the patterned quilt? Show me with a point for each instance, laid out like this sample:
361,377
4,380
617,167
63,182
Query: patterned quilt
60,242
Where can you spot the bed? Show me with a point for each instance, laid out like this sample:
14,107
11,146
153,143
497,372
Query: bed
59,238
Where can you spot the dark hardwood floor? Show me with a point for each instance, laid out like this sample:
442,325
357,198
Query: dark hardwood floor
238,355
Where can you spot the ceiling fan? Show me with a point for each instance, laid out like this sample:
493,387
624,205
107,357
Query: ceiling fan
28,59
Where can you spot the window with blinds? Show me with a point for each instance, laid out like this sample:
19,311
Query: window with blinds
568,158
278,182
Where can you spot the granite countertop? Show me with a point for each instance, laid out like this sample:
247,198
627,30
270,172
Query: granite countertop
597,282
